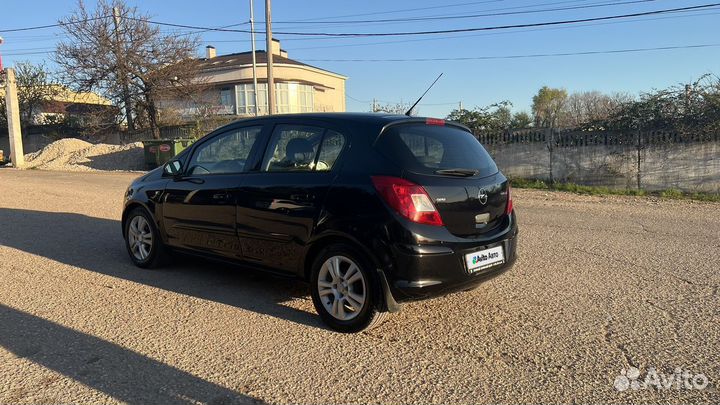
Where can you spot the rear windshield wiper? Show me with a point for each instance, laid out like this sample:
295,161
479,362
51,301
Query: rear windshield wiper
457,172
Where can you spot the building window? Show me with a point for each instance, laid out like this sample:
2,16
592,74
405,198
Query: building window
282,97
305,98
289,98
227,103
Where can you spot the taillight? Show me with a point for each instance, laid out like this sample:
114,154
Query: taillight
407,199
509,208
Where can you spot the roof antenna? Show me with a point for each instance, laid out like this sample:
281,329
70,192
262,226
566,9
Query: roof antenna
423,95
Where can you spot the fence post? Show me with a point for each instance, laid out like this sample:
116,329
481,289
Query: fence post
639,148
551,146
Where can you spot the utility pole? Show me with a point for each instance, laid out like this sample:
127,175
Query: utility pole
461,107
254,67
268,53
1,68
13,119
374,106
122,73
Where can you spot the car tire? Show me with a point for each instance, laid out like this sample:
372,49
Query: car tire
345,290
143,241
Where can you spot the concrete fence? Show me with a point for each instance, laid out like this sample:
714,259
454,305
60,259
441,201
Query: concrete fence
653,160
31,142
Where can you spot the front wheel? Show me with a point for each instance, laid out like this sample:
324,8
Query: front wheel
344,290
142,239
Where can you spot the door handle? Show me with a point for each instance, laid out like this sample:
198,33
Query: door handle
221,197
192,180
302,197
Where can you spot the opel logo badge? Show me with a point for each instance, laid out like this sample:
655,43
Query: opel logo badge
482,196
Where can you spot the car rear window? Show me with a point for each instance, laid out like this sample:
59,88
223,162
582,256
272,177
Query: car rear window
425,149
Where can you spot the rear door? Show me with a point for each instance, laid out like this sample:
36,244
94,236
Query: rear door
460,177
199,208
280,203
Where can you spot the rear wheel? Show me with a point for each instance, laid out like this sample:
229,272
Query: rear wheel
344,291
142,240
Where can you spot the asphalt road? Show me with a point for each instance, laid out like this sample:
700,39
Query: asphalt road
602,284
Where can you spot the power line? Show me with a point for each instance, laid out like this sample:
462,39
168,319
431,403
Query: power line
407,20
382,34
537,55
493,57
521,31
356,100
456,17
299,21
39,27
530,25
501,27
451,31
49,51
24,51
395,102
695,13
405,10
213,29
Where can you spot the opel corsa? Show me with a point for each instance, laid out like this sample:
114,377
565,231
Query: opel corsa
371,210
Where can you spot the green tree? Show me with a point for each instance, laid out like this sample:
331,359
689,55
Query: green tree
690,107
492,118
521,120
547,106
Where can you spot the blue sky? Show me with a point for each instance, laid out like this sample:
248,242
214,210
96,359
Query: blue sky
475,83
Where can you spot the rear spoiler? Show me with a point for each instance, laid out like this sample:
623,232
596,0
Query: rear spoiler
420,120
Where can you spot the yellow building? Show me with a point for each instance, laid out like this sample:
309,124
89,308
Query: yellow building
298,87
62,103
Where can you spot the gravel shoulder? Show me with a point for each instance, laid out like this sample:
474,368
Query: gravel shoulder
602,284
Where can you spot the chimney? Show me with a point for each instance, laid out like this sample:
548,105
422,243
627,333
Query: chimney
210,52
276,47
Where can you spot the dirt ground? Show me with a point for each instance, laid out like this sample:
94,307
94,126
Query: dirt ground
603,284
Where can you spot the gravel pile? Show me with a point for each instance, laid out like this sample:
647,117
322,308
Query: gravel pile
72,154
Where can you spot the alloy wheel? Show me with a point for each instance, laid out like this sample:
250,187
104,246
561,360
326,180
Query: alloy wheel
140,237
342,288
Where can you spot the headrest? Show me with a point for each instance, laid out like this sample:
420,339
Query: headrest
299,149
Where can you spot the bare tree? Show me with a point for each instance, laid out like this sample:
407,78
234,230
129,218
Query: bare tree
399,108
589,108
115,51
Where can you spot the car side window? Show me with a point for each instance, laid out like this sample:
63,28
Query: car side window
292,148
302,148
226,153
332,144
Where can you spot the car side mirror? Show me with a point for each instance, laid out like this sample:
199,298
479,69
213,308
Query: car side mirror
173,168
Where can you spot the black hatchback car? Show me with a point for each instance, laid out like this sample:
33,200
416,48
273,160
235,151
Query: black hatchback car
372,210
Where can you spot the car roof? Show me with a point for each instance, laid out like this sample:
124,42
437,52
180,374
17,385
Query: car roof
378,120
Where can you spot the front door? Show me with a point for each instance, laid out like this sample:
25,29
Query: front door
199,208
279,205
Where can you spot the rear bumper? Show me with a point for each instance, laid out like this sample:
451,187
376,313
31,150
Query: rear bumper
427,271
